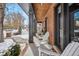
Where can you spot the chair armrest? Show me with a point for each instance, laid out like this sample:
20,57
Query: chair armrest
38,36
50,53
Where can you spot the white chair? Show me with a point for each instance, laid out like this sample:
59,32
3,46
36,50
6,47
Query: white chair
36,41
72,49
44,38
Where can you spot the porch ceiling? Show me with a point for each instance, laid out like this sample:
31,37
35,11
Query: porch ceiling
41,10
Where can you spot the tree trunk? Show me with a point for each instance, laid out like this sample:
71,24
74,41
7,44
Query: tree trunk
1,21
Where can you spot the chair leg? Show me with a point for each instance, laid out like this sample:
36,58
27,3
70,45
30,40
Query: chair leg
39,51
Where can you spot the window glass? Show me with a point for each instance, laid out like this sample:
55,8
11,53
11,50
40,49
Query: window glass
15,20
76,23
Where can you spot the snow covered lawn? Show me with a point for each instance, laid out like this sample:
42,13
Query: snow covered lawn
7,44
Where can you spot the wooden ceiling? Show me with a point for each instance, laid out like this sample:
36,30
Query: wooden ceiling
40,10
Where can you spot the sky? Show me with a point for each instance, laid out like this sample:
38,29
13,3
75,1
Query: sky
14,7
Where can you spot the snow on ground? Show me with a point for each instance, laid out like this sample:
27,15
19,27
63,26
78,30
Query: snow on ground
24,35
9,42
4,46
24,31
20,38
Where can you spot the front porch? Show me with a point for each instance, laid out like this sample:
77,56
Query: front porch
39,29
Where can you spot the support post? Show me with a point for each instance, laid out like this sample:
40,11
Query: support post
1,21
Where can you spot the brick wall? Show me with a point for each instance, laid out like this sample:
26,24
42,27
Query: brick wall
50,24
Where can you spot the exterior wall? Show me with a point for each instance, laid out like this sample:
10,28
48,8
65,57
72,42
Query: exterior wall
50,24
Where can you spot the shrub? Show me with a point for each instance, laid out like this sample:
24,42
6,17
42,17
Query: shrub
15,51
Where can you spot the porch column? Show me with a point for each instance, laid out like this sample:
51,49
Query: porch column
30,24
1,21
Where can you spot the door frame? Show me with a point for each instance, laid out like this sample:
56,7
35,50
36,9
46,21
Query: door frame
66,25
57,28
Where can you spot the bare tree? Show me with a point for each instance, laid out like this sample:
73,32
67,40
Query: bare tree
15,20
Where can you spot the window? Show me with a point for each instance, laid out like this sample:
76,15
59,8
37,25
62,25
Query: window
76,23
